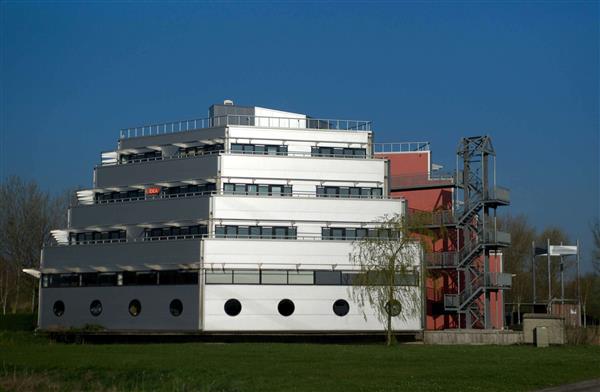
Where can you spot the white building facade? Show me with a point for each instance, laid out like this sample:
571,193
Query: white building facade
242,222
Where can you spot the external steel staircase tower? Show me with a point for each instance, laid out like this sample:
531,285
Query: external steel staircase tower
476,199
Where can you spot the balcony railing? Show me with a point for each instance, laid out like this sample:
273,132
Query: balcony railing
382,148
246,120
425,180
498,280
500,193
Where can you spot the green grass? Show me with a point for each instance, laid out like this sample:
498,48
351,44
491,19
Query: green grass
35,363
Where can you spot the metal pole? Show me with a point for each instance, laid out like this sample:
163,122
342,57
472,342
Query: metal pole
578,285
562,281
533,270
549,276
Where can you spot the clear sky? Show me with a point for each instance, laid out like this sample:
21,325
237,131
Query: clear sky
525,73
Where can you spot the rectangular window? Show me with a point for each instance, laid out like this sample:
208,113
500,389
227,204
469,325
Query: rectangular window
328,277
267,232
337,233
252,189
272,150
301,277
228,188
248,149
287,190
326,233
273,277
107,279
354,192
276,190
231,231
280,232
220,231
263,190
236,148
292,233
320,191
331,191
246,277
219,277
146,278
260,149
240,189
377,192
243,232
254,232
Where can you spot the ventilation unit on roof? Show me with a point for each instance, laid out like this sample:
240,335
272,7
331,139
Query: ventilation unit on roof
228,102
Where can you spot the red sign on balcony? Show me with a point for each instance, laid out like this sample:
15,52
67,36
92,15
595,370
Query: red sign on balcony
153,190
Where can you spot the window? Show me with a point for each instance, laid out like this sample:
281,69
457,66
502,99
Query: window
135,308
352,192
301,277
58,308
96,308
267,232
328,277
393,307
255,189
246,277
259,149
273,277
219,277
338,152
232,307
107,279
341,307
286,307
176,308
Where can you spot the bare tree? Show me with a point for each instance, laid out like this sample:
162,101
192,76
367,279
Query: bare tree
390,264
596,250
27,214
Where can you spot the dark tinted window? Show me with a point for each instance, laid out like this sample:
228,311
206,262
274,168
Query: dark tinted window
232,307
96,308
341,307
328,277
58,308
135,308
286,307
176,308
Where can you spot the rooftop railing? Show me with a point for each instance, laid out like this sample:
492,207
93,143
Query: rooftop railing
382,148
246,120
433,179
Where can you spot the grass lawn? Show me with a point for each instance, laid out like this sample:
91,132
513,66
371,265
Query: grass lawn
35,363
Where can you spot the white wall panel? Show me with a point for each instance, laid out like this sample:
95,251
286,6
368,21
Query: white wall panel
309,168
320,209
313,310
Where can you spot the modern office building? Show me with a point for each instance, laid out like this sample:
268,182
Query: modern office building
241,222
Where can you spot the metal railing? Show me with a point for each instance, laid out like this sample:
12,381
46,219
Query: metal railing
433,179
382,148
295,194
432,218
246,120
302,154
500,193
498,280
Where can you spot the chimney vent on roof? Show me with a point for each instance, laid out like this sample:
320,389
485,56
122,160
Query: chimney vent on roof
228,102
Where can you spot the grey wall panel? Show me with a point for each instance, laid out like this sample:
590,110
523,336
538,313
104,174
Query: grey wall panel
155,314
168,170
126,253
170,138
143,211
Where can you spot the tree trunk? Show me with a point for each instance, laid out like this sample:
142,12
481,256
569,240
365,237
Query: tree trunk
389,308
33,287
17,292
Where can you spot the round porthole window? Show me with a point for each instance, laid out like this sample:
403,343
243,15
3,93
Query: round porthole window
233,307
393,307
58,308
135,308
96,308
341,307
176,308
286,307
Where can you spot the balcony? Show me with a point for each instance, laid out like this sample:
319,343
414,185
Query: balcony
143,211
500,195
116,255
416,181
157,171
497,238
246,120
498,280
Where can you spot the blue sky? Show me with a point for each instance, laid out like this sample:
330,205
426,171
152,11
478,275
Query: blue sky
525,73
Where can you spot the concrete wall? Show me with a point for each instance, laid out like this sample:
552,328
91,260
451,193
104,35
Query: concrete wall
138,212
124,253
555,326
115,315
473,337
